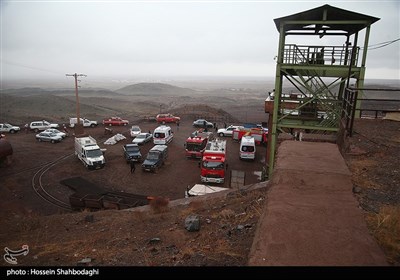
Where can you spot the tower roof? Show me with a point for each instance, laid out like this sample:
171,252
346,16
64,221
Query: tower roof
325,18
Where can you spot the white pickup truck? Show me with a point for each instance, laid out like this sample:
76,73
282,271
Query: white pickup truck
6,127
84,121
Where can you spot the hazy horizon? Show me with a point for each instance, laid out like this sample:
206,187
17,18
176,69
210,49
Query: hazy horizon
201,82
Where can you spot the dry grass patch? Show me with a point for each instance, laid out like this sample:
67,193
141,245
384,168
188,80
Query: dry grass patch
385,227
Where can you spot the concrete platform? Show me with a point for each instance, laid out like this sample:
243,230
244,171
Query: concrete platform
311,217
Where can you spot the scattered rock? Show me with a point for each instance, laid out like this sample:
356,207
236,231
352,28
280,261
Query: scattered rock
154,240
240,227
192,223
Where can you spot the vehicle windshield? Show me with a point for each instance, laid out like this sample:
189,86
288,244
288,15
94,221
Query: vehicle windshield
196,147
152,156
141,136
135,129
213,165
132,149
94,153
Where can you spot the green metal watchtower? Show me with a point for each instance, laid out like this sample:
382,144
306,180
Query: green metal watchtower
318,73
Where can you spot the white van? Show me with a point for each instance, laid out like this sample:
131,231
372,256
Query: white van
162,135
247,148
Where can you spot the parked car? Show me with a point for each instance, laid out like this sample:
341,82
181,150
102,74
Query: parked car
227,131
142,138
115,121
6,127
203,123
56,131
42,125
49,137
135,131
167,118
132,152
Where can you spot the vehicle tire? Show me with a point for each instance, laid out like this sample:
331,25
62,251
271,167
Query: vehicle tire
40,140
109,124
92,125
36,130
52,141
125,124
221,134
12,131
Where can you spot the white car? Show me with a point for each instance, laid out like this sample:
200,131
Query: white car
48,136
56,131
135,131
227,131
142,138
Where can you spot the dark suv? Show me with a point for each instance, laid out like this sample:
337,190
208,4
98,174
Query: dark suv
132,152
155,158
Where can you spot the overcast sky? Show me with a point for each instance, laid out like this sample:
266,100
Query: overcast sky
168,38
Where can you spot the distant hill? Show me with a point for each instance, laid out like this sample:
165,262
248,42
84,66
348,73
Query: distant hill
155,89
85,92
18,109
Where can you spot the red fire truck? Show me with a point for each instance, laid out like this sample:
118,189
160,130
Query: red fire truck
260,134
196,143
213,163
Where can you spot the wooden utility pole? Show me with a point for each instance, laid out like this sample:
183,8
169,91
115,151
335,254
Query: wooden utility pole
78,126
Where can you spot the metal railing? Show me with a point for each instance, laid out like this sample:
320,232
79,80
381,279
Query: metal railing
369,107
322,55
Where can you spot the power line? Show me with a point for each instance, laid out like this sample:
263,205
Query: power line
381,45
29,67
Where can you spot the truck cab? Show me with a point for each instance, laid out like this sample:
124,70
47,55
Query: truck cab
213,163
196,144
155,158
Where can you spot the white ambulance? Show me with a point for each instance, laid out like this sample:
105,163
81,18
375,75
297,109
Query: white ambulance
162,135
247,148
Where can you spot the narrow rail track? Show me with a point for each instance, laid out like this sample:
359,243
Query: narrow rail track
40,190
